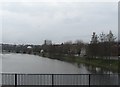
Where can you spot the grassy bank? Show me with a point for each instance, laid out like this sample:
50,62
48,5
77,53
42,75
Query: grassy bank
111,65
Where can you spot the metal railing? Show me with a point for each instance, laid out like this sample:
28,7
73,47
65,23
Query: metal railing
87,80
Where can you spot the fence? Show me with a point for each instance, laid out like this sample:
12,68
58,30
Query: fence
60,80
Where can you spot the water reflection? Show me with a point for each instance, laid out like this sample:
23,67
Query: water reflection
95,70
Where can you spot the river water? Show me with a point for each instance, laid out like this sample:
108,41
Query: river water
25,63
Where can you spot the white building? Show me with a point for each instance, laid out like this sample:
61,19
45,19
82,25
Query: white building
83,52
29,47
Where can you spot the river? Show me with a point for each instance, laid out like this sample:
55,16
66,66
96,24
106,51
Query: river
25,63
33,64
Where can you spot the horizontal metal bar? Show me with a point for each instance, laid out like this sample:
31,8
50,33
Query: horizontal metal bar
53,74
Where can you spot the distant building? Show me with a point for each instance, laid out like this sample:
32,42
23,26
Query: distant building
47,42
83,52
29,47
41,51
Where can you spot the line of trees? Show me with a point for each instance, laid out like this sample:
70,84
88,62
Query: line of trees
103,46
29,49
68,48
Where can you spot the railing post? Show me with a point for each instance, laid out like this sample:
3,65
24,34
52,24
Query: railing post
15,80
89,80
52,80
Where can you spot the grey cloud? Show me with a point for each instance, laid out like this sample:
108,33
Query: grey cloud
34,22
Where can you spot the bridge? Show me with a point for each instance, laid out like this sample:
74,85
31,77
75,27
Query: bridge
60,80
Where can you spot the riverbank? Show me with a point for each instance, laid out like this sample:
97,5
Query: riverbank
111,65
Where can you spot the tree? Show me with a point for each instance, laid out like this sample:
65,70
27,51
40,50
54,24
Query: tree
79,46
67,47
110,37
102,37
104,46
93,46
94,38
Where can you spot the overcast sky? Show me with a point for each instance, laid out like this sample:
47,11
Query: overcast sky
33,22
